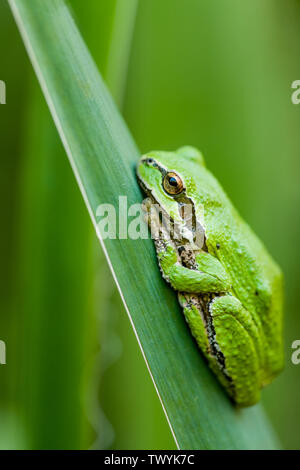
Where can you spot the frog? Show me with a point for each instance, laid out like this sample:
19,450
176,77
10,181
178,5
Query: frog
228,285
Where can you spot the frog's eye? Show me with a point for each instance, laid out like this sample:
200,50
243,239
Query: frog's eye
172,183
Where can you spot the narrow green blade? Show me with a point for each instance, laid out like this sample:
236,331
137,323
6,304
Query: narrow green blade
103,156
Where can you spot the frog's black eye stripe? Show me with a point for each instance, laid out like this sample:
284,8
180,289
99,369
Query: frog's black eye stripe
172,183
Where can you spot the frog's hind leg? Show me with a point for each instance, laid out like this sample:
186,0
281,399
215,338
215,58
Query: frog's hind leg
237,337
196,319
230,341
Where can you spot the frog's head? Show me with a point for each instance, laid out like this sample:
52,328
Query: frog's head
167,179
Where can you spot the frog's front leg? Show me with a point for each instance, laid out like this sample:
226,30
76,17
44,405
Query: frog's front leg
207,276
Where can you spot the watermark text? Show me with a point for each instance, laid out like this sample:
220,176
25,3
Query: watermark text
2,92
296,94
295,358
2,352
132,222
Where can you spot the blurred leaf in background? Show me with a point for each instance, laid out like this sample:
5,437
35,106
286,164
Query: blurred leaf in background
56,307
13,69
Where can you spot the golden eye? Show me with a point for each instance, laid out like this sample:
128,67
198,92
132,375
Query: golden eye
172,183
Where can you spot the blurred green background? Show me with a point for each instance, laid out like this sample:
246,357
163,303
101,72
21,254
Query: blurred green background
216,75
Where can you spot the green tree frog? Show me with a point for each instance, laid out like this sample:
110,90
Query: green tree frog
228,285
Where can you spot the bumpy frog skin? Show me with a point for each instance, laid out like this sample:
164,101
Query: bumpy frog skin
228,285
